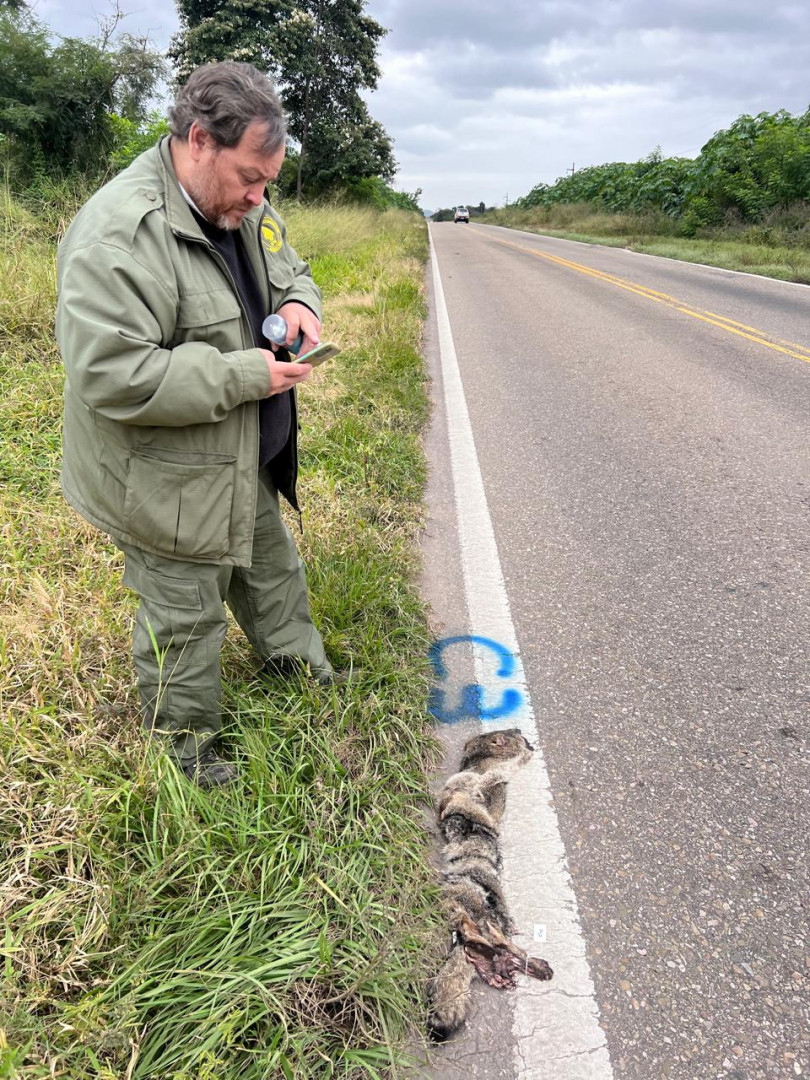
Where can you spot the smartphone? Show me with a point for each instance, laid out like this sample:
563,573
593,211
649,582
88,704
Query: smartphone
324,351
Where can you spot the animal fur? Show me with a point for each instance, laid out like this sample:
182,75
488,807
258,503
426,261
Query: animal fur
470,809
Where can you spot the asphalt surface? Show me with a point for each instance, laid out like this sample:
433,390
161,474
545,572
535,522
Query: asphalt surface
643,430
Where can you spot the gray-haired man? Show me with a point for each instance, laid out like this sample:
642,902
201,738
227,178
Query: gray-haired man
180,422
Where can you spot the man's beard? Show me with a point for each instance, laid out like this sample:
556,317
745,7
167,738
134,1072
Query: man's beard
204,195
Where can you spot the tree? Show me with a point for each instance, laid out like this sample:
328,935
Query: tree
322,54
758,165
56,101
138,67
328,54
246,30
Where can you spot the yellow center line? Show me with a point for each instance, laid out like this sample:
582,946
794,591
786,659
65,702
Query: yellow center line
731,326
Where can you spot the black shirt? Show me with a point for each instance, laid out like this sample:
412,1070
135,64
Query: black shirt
275,414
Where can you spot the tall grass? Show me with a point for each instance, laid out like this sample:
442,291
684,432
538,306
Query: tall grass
282,927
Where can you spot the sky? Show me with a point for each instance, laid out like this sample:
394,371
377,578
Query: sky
486,98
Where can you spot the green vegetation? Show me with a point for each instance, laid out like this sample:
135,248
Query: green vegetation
753,250
758,165
284,927
374,190
83,106
322,56
743,203
60,103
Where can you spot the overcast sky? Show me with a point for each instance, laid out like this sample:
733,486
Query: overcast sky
486,99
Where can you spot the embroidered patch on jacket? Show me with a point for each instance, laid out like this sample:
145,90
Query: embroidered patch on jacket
271,235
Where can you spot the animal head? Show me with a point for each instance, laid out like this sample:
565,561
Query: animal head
482,752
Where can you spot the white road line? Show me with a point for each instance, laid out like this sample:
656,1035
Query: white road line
556,1032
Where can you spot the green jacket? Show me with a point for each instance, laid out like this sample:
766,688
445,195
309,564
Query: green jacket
161,430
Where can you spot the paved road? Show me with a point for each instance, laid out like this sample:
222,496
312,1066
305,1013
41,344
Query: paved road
643,432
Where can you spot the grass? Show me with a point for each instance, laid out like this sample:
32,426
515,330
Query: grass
775,253
284,927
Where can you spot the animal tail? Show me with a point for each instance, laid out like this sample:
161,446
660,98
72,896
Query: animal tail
449,995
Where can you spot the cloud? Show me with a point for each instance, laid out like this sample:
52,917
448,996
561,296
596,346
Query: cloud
534,87
417,23
483,98
155,18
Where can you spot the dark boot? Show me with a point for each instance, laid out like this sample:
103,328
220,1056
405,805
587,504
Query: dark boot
288,667
209,770
282,667
333,676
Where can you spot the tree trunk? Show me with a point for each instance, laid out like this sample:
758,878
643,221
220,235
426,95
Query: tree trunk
299,183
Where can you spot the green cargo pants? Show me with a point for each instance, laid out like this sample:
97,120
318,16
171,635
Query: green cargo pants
181,622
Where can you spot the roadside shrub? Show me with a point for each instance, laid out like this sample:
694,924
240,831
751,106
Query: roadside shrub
57,100
794,218
131,138
374,190
758,166
699,214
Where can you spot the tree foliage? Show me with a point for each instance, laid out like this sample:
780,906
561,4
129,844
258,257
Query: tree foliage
57,100
756,165
245,30
133,137
322,55
374,190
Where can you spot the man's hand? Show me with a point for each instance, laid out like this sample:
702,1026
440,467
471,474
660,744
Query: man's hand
300,320
284,376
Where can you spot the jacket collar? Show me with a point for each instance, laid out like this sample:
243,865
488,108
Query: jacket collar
178,211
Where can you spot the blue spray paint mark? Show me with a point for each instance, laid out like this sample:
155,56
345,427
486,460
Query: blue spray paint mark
471,705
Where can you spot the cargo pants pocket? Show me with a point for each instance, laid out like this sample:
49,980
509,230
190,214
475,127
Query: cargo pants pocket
178,633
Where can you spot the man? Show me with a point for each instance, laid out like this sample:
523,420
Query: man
180,422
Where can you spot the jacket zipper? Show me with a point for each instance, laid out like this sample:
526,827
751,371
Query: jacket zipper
293,399
294,410
245,320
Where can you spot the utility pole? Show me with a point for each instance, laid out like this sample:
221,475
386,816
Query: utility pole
573,168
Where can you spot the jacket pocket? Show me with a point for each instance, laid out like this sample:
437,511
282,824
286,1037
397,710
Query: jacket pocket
280,272
215,317
180,504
